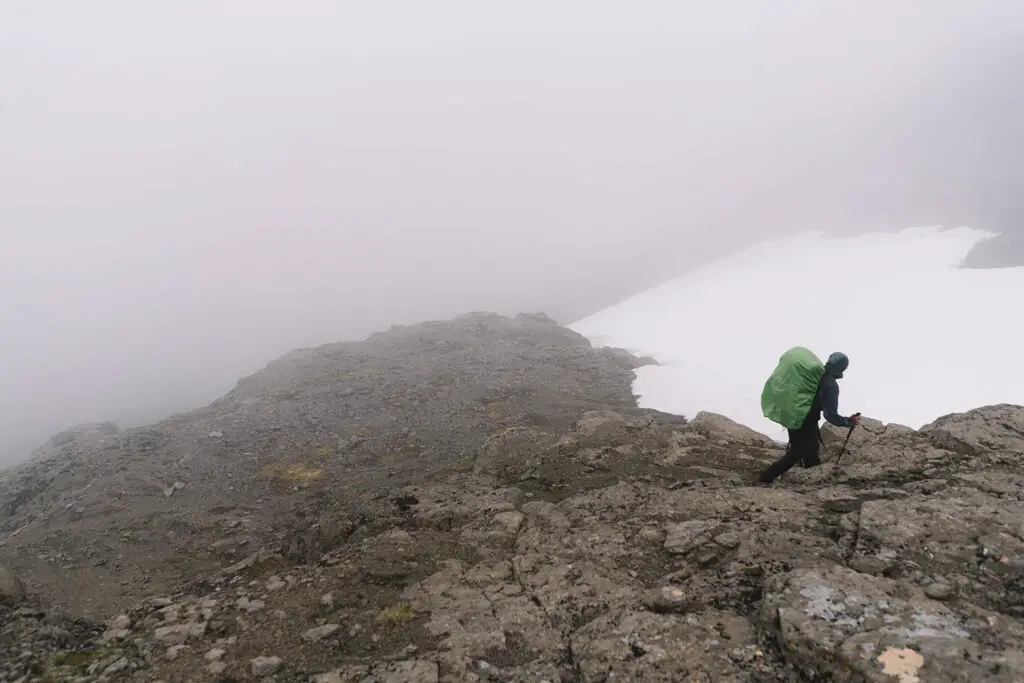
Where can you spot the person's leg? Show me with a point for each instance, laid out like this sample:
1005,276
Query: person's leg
810,443
782,465
812,451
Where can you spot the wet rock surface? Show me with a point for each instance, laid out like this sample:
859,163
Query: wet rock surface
506,514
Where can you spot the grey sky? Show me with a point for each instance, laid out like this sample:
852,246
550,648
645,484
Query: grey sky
188,189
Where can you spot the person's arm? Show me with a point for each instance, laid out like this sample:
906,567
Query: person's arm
830,405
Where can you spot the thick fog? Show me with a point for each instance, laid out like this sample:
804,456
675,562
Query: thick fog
189,189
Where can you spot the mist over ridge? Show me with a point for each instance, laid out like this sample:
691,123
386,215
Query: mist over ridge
187,193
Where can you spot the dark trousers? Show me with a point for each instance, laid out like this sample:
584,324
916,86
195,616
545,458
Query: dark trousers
803,448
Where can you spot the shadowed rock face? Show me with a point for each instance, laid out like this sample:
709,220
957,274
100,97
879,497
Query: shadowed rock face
554,532
12,590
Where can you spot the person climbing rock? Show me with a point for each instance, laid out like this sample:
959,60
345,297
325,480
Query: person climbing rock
801,383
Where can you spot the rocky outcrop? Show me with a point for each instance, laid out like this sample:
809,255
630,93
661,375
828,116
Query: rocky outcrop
993,429
102,516
569,542
835,622
876,572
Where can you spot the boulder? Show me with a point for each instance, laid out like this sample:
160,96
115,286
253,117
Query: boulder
995,428
718,427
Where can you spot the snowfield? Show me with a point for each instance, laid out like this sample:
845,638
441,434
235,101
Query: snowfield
925,338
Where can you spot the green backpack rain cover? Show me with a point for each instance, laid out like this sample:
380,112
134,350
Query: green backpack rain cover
789,392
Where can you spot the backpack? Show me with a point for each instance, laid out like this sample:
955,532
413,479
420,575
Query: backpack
789,392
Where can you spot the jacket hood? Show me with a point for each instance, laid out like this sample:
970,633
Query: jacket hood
836,364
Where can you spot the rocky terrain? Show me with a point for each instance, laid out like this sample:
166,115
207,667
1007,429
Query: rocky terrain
480,500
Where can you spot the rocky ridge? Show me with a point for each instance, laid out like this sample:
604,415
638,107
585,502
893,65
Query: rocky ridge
595,543
101,517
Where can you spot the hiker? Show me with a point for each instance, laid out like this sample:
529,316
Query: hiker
804,440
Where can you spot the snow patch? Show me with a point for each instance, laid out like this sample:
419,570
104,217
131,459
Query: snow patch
925,338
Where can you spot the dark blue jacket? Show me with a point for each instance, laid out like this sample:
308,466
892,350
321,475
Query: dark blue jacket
827,399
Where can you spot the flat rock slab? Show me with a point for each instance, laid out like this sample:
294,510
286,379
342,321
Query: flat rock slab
686,537
947,536
837,623
643,646
408,671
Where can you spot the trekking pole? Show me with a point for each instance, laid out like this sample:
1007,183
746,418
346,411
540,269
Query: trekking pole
845,441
